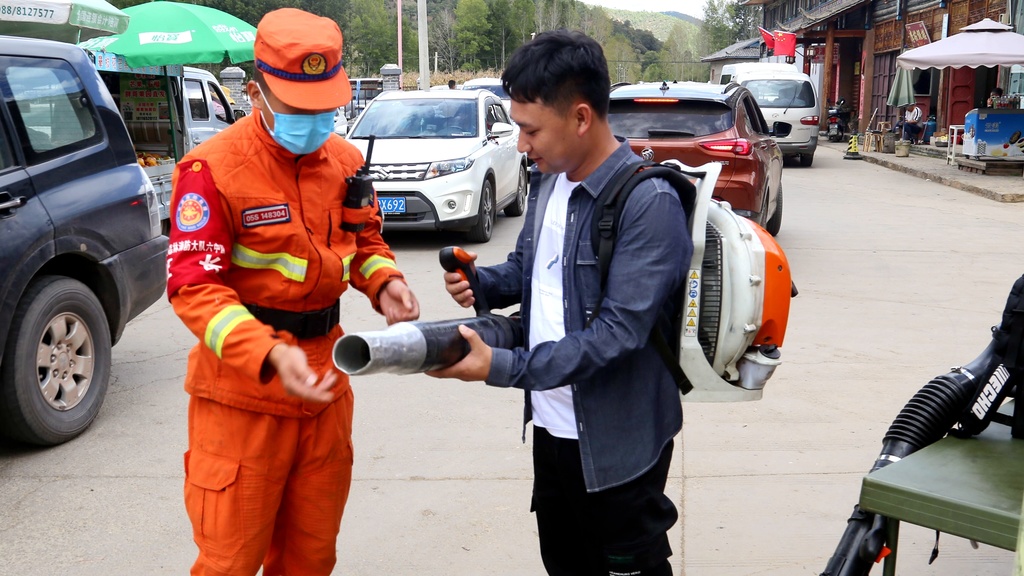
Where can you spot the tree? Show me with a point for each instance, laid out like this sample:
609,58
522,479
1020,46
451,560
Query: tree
499,20
653,69
471,32
746,20
442,38
717,31
523,19
370,38
594,22
623,61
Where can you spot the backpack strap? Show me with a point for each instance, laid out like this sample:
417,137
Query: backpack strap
605,226
604,232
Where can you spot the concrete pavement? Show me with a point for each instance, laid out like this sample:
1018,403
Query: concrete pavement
929,162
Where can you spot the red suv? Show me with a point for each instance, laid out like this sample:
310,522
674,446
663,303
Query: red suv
698,123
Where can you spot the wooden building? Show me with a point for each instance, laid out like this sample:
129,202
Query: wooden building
856,42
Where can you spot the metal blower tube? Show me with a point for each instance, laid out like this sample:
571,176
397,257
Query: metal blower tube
412,347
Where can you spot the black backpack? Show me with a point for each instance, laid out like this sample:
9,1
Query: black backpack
604,231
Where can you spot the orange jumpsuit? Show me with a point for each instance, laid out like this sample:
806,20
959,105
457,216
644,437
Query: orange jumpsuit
253,225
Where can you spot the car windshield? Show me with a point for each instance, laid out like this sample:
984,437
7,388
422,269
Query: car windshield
495,89
681,119
418,118
781,93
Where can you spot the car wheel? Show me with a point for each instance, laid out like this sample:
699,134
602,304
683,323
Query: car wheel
518,206
806,160
57,363
481,232
775,223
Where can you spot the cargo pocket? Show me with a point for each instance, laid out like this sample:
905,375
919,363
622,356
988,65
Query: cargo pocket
212,502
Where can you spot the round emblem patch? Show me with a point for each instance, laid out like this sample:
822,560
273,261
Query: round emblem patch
193,212
314,64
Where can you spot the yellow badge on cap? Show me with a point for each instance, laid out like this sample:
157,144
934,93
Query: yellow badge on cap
314,64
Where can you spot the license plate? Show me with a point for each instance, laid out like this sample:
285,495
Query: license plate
391,205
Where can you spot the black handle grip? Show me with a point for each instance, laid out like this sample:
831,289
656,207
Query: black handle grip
455,259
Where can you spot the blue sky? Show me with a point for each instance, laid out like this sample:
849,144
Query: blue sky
691,7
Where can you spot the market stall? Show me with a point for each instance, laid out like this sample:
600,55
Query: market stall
151,106
991,136
144,70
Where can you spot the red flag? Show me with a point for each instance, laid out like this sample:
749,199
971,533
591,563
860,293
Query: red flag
769,40
785,43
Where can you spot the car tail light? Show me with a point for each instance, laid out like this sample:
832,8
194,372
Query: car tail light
656,100
809,120
740,146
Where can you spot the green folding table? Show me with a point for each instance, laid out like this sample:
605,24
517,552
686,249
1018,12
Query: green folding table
969,488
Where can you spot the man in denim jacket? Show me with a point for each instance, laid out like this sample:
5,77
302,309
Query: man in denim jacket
604,407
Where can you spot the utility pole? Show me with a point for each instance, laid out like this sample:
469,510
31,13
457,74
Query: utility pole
421,17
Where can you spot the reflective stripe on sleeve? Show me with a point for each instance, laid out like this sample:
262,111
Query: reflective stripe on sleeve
289,266
347,261
222,324
375,263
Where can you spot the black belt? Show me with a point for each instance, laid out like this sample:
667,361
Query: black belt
301,324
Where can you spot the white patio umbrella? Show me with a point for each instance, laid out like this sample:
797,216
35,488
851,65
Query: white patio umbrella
985,43
64,20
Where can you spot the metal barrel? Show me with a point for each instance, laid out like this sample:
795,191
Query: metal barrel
412,347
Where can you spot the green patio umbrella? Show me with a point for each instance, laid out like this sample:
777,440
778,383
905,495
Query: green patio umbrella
64,20
902,91
169,33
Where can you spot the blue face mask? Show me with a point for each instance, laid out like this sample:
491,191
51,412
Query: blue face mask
300,133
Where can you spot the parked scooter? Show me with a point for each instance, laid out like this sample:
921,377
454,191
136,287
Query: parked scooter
838,120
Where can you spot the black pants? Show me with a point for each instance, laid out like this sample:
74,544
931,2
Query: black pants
618,531
907,131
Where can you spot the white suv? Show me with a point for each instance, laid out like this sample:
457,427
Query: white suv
443,160
492,84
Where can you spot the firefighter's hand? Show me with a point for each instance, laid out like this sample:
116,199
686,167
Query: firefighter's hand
398,303
297,377
458,286
475,366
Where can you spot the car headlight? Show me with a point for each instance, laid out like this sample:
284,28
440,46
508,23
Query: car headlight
446,167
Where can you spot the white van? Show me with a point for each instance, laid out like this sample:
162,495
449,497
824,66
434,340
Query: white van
730,70
785,95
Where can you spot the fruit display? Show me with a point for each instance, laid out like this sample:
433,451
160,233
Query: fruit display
150,159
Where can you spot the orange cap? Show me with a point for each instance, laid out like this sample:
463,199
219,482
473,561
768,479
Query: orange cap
300,56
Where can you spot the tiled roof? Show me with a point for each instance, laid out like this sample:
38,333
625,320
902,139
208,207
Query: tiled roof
743,50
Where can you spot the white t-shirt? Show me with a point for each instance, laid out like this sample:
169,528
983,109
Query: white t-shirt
552,409
913,114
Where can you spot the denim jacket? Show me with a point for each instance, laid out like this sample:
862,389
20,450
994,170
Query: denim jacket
627,405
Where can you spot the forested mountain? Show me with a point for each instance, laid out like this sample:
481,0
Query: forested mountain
467,36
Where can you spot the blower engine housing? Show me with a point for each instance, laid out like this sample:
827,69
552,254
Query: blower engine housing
736,300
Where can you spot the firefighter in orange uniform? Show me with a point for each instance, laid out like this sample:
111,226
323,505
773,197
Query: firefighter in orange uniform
266,235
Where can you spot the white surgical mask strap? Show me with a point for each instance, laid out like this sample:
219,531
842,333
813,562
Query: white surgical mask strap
263,98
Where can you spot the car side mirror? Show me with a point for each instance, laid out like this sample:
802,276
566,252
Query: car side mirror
499,130
238,113
781,129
